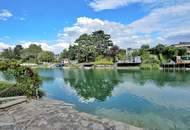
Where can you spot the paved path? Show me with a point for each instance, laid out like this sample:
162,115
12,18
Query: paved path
54,115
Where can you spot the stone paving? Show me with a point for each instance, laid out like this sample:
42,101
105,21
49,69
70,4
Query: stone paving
54,115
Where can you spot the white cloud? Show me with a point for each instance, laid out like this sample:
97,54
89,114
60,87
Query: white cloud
169,23
166,25
4,46
121,34
5,14
56,48
99,5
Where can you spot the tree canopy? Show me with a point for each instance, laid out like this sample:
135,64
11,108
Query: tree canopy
89,46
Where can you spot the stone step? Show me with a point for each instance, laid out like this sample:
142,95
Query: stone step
11,98
12,103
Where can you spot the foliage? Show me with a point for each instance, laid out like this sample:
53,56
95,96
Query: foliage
101,60
7,54
17,51
135,53
31,53
122,54
90,84
4,85
46,56
27,81
88,47
150,63
145,47
144,54
159,49
64,54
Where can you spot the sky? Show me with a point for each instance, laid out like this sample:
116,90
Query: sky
55,24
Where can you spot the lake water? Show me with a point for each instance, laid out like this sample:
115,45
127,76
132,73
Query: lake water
152,99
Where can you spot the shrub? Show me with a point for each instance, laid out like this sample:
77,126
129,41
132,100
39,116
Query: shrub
27,81
104,60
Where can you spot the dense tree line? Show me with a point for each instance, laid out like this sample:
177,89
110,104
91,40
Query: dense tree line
153,57
33,53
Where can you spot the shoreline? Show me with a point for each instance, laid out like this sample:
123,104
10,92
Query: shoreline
108,67
53,114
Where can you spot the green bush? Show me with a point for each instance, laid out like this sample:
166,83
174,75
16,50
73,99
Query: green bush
27,81
101,60
5,85
151,66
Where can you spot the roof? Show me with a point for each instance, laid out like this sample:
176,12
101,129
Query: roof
182,44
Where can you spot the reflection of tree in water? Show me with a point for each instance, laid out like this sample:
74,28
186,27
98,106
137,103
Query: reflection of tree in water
96,84
160,78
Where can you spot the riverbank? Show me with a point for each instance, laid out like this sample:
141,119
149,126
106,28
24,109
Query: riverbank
52,114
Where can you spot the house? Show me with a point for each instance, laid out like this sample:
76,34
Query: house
65,61
183,59
185,45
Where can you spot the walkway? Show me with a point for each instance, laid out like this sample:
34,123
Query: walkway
54,115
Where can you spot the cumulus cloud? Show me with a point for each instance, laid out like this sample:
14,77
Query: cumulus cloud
56,48
168,24
121,34
99,5
3,46
5,14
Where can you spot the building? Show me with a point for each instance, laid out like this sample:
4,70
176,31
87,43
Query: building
183,59
185,45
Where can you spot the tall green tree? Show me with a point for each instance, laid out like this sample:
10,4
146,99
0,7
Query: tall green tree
102,42
145,47
46,56
159,49
7,54
64,54
31,53
17,51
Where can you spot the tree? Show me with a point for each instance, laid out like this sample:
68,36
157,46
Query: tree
145,47
102,42
182,51
64,54
31,53
72,52
88,47
159,49
17,51
27,82
122,54
112,52
7,54
46,56
170,52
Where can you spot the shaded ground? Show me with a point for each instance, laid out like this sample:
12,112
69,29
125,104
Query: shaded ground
54,115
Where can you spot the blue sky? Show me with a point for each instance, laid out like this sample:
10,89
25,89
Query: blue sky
55,24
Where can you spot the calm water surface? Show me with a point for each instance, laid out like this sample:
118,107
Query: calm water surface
152,99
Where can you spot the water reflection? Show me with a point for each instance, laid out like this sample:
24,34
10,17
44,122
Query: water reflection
152,99
92,84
